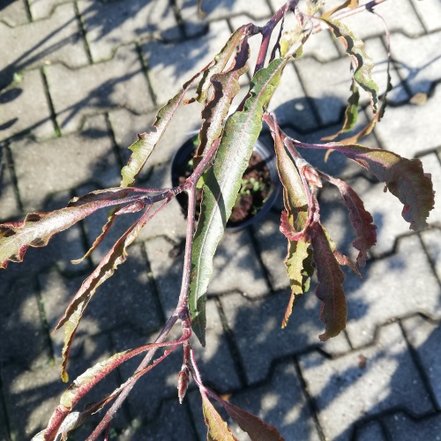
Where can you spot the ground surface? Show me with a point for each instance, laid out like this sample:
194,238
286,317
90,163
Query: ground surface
78,80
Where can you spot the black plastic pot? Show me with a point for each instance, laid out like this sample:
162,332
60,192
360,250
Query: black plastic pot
180,166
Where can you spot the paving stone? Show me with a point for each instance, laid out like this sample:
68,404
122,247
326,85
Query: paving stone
418,61
432,165
432,242
402,427
170,65
4,424
256,326
112,24
279,402
430,14
31,396
236,267
14,13
411,129
25,340
9,207
273,249
65,163
370,431
171,423
372,300
398,14
118,82
24,94
215,10
424,337
364,383
126,126
43,8
56,39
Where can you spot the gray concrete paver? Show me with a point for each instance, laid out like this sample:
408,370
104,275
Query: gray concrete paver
118,82
28,93
430,14
374,300
14,13
368,381
54,39
109,25
404,428
424,337
9,206
60,164
370,432
44,8
432,242
259,322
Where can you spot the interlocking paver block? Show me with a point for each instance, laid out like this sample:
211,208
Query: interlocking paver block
170,65
118,82
126,126
111,24
418,134
432,241
8,201
171,423
418,60
403,428
424,337
214,10
55,39
65,163
374,300
31,396
364,383
430,13
256,326
26,93
14,13
43,8
370,432
236,267
25,341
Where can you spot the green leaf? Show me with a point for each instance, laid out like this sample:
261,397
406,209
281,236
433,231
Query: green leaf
330,288
360,61
257,429
222,184
38,228
299,269
217,427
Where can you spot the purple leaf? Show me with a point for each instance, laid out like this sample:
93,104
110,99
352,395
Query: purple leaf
361,220
330,288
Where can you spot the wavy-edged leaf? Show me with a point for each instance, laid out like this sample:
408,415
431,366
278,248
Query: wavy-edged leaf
293,222
351,113
222,184
404,178
257,429
86,382
38,228
220,61
361,220
330,284
225,88
361,63
217,428
106,268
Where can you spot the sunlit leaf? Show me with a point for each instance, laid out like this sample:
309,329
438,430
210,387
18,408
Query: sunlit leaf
257,429
360,218
351,4
217,428
38,228
360,61
222,184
